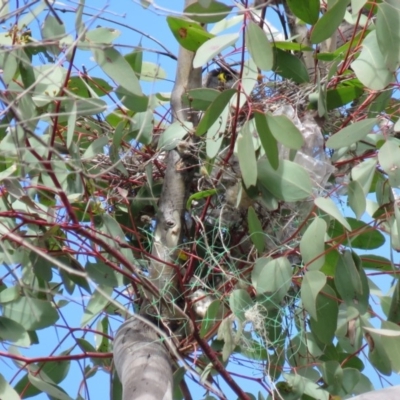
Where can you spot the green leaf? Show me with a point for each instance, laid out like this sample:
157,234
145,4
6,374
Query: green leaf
215,136
289,182
389,159
190,35
151,72
82,88
312,245
213,12
329,22
135,60
8,172
116,386
370,67
301,385
214,111
50,389
255,228
9,294
247,157
391,344
97,302
363,173
356,196
290,67
342,95
259,47
212,47
49,80
71,124
306,10
351,134
313,282
200,99
31,313
101,273
268,141
332,374
95,148
117,68
331,209
284,131
388,32
102,35
376,263
13,332
211,318
377,354
239,302
291,46
6,391
52,30
325,325
352,283
274,278
362,235
394,311
132,102
380,103
200,195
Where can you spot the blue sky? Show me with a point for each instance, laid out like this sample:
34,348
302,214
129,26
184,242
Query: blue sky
150,21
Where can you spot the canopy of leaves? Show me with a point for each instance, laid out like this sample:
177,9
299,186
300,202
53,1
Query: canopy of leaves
297,174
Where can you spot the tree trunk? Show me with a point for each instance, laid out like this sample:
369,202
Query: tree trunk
142,362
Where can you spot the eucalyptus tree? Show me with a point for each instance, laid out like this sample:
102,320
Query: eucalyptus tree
215,241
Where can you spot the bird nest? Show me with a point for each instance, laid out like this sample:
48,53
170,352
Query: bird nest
127,172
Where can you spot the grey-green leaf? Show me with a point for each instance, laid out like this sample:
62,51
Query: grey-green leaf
239,302
97,302
6,390
214,111
212,47
312,245
101,273
255,228
14,332
259,46
388,32
326,26
356,196
324,326
268,141
351,283
247,157
351,134
275,277
370,67
284,131
313,282
52,390
31,313
328,205
389,159
117,68
289,182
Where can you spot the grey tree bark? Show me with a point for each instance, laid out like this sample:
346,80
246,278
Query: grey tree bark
143,364
390,393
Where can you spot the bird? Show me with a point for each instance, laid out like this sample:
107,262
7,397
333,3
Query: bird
220,79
